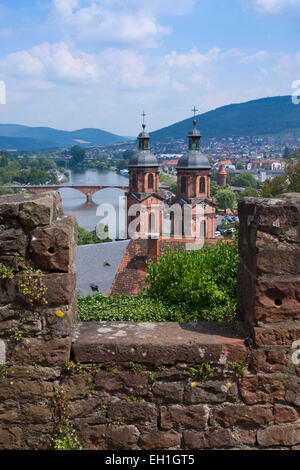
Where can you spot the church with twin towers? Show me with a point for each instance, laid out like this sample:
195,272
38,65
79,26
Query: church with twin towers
192,210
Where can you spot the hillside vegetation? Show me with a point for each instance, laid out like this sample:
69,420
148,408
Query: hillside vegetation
263,117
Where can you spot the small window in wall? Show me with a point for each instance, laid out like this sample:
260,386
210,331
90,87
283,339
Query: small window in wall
134,181
150,181
202,185
183,184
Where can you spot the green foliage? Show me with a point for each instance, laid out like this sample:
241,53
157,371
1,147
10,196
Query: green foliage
238,368
66,440
225,199
136,368
244,180
168,181
65,437
274,187
182,287
249,192
17,335
86,237
5,273
25,170
202,280
288,182
138,308
151,377
78,155
30,283
202,373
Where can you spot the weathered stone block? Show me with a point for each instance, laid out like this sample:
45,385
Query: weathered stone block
13,240
107,437
37,213
242,415
159,440
287,435
187,417
53,248
212,391
218,439
135,412
25,389
9,413
53,352
285,414
277,300
10,438
77,385
269,360
262,388
37,413
60,287
277,335
293,391
122,382
168,392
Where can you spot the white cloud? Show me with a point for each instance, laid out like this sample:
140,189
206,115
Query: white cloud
288,66
110,88
110,21
259,56
274,6
51,60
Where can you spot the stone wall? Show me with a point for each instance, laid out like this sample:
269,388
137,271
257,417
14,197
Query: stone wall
147,386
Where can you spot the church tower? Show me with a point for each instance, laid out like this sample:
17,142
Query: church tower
193,185
222,176
144,200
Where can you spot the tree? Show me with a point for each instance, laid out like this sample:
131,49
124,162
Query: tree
274,187
78,155
292,172
244,180
239,166
225,199
249,192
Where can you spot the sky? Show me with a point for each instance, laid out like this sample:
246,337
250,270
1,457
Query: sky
72,64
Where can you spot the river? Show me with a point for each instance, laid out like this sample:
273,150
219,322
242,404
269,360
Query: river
75,203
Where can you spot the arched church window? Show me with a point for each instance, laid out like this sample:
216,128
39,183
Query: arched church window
150,181
183,184
202,185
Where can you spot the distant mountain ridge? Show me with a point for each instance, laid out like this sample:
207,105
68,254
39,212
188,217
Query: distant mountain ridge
262,117
15,136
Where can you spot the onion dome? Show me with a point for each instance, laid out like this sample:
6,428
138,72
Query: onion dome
143,158
194,159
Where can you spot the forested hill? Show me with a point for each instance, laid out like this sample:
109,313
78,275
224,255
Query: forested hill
263,117
13,136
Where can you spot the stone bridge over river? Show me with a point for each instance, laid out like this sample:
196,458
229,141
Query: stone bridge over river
87,190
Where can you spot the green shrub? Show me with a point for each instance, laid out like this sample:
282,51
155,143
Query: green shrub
139,308
183,287
204,280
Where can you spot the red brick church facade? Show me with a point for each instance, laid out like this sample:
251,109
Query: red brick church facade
194,208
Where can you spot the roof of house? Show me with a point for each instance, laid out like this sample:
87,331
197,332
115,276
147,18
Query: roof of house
98,265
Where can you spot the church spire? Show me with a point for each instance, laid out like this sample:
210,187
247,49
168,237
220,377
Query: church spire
194,135
144,137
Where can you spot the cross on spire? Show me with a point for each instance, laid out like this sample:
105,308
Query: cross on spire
194,111
144,115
